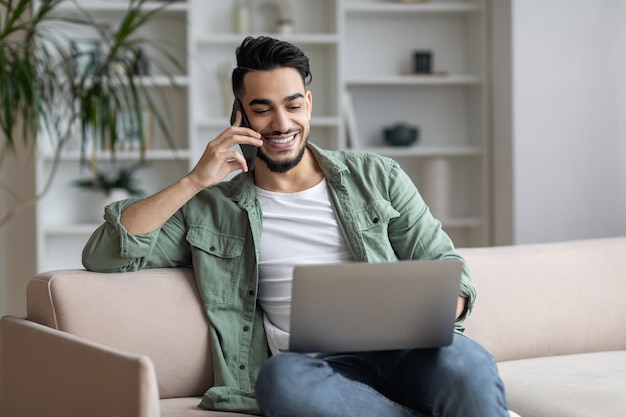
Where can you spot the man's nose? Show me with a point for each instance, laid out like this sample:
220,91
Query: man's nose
280,122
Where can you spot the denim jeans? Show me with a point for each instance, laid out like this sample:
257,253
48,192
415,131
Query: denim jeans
460,380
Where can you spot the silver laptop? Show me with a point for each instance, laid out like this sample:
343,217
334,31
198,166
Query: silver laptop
354,307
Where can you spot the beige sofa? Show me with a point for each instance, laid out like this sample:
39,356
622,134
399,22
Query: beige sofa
135,344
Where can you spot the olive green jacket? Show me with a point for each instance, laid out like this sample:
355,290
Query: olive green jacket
378,209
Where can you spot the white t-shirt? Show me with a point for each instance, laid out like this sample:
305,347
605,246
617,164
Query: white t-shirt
298,228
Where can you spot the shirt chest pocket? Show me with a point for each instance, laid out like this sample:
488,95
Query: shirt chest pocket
373,223
217,260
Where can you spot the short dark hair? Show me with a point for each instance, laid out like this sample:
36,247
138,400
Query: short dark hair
265,53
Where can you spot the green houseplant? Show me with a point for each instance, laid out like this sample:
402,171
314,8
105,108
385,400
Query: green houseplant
43,94
106,182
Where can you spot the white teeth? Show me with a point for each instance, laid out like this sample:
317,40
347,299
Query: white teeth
282,141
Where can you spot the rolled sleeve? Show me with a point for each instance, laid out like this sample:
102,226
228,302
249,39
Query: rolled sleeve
130,245
112,248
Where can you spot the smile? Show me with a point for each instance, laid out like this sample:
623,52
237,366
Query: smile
281,141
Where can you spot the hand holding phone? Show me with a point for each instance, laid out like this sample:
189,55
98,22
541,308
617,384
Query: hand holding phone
249,151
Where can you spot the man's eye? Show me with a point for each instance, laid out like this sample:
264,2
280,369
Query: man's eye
295,107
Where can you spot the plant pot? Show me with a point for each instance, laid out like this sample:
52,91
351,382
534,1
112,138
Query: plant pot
101,200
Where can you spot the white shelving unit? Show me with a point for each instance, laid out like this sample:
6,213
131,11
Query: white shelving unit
363,47
67,215
449,163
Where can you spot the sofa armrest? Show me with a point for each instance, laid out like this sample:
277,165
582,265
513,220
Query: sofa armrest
153,312
46,372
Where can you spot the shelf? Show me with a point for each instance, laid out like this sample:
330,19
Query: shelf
223,122
153,81
150,155
101,6
415,80
449,7
83,229
425,152
165,81
234,39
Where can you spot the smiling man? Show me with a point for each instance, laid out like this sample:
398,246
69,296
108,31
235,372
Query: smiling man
299,205
290,139
278,107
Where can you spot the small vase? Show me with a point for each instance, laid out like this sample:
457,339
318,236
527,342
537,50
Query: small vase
101,200
436,188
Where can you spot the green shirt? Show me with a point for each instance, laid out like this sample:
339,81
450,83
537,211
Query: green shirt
380,214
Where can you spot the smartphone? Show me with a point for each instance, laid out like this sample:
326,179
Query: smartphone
249,151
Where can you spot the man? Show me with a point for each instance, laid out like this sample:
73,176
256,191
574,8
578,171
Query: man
300,204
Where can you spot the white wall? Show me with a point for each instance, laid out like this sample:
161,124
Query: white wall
502,115
567,174
17,238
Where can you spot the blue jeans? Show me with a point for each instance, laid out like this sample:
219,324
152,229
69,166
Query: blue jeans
460,380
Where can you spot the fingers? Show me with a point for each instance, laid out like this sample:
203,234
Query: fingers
221,157
235,161
215,164
238,119
241,134
219,153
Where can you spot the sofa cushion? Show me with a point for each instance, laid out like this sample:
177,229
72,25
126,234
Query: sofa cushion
154,312
188,407
549,299
581,385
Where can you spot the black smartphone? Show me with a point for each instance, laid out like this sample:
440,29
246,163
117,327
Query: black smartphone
249,151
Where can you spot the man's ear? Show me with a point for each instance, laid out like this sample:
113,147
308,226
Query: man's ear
309,100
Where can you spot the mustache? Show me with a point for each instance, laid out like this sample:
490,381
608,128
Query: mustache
279,133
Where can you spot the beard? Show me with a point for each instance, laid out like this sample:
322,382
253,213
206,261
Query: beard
282,166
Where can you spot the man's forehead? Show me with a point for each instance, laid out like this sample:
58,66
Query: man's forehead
283,76
282,84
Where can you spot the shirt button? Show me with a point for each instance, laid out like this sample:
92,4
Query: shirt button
212,248
375,220
251,292
246,328
242,367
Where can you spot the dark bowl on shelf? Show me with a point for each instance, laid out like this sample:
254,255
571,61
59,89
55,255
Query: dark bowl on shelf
401,135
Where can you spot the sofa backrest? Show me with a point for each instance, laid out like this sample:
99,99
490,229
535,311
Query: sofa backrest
549,299
155,312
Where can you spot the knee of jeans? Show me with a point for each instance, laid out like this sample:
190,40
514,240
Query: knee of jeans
477,356
471,364
283,379
272,370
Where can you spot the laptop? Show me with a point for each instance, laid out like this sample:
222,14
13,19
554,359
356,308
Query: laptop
351,307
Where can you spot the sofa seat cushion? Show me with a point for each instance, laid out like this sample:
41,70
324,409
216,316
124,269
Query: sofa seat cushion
188,407
580,385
